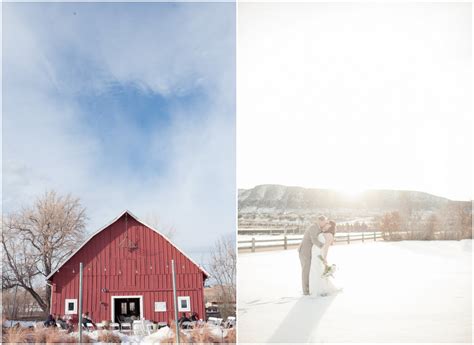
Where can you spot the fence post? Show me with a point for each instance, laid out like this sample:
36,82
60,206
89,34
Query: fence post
375,237
285,243
348,238
175,300
363,236
81,273
253,244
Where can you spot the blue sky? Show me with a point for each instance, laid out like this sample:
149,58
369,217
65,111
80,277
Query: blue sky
126,106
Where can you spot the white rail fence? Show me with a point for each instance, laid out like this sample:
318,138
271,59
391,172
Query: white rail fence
286,241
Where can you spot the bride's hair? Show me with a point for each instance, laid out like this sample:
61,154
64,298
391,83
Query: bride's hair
333,225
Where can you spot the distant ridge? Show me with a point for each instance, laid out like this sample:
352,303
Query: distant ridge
271,198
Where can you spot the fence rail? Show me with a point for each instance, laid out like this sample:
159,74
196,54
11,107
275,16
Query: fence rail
285,241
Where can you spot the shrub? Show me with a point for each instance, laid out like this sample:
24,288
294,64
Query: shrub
109,337
39,335
53,336
172,339
203,335
15,335
86,339
231,337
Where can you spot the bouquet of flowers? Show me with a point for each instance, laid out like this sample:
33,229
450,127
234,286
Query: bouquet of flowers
328,269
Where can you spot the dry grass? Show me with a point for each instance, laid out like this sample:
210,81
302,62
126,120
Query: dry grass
85,339
172,339
41,335
18,335
203,335
109,337
55,336
231,337
15,335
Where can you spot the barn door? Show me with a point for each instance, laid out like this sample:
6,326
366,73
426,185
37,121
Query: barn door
126,309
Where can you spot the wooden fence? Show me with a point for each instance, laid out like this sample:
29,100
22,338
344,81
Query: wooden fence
285,241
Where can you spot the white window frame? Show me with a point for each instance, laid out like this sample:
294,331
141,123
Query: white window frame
112,298
160,307
66,305
188,302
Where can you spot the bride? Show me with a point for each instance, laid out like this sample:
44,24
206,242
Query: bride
319,285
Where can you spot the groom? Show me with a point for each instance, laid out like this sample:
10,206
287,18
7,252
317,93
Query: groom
310,238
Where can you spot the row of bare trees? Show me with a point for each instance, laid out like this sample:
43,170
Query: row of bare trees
453,222
18,302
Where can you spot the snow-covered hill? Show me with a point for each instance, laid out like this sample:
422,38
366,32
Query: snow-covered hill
268,198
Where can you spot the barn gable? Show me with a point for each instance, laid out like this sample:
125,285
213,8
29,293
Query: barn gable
128,215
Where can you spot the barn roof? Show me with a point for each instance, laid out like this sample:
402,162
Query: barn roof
113,221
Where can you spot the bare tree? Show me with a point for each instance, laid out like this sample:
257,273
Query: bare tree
391,225
223,267
19,303
456,220
37,239
432,227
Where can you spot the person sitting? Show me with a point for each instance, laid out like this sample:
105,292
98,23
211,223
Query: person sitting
50,321
86,319
70,322
61,321
195,317
183,319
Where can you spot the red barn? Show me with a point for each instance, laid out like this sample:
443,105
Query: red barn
127,271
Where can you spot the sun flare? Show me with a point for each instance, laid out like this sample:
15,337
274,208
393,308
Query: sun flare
351,192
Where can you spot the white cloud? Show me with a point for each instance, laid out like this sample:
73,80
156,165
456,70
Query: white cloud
51,56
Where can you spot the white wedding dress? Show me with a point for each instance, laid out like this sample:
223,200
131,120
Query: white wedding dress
319,286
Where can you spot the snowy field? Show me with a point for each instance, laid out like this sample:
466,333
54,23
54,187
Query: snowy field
410,291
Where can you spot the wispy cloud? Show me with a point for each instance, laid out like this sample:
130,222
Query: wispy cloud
126,106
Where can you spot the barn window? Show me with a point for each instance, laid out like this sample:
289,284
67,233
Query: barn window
160,306
70,306
123,307
184,303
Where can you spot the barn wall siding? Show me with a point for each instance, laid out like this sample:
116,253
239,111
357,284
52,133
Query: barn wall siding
112,269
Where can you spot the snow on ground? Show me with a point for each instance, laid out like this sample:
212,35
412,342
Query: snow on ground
12,323
410,291
154,338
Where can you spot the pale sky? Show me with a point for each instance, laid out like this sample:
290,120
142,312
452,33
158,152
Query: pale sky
125,106
355,96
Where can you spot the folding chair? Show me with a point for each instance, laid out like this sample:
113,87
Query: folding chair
230,322
150,327
138,327
162,324
114,326
126,327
